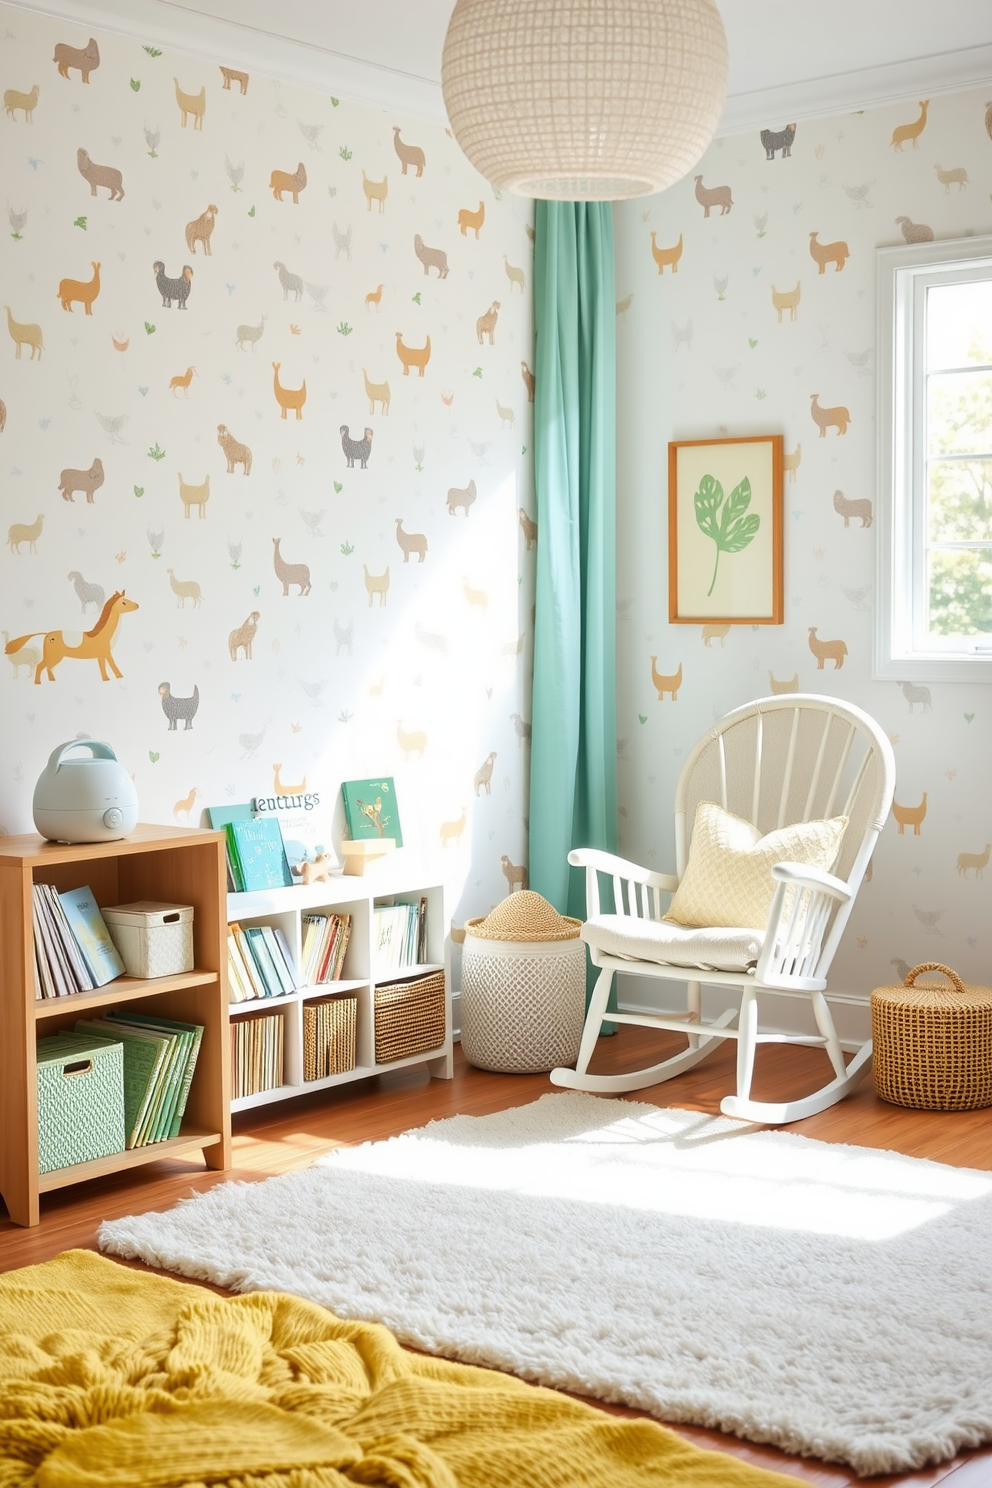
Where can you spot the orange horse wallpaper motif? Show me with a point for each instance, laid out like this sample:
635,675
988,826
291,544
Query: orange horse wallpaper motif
95,644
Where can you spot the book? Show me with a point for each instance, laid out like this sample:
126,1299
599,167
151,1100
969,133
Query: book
92,936
181,1077
59,970
44,951
252,975
186,1078
218,817
238,986
287,956
257,853
78,969
370,809
263,960
144,1057
422,930
306,833
257,1043
394,937
287,982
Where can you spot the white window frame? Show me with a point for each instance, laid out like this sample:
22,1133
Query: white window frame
904,274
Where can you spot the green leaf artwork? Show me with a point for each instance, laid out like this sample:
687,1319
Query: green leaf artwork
156,452
731,528
136,85
80,222
152,51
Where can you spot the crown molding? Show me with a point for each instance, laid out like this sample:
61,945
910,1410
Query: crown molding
254,50
869,87
359,81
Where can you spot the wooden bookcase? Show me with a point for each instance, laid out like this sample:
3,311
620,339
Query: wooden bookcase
356,896
178,865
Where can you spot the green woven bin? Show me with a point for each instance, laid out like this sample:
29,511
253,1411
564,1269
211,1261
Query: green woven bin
80,1100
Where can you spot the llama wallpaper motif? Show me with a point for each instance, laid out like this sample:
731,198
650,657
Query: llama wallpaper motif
747,306
264,422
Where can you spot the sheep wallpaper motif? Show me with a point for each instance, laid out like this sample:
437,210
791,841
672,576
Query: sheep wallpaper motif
747,306
265,470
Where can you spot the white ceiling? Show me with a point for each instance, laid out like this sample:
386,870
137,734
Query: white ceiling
788,58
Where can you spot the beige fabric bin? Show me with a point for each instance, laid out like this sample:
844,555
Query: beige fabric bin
523,997
154,939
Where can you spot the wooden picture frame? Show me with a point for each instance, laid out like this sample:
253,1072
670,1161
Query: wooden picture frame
725,564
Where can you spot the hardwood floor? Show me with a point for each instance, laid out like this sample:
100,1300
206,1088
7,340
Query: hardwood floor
278,1138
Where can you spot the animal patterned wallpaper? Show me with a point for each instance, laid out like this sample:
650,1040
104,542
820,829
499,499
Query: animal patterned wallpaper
747,306
265,397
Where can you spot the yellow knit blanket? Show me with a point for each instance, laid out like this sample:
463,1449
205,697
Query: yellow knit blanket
114,1378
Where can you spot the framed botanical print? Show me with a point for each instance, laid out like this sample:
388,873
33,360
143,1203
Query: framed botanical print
725,531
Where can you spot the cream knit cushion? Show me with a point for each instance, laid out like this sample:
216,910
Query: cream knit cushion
728,879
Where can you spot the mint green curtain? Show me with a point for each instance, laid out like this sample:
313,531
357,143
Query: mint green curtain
573,791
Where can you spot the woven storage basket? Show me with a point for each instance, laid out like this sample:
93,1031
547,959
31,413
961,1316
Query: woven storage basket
329,1036
80,1100
933,1043
409,1017
523,987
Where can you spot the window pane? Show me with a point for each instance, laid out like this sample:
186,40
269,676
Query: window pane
960,508
961,593
953,312
959,413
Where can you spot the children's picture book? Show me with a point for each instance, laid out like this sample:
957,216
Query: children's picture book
257,854
92,936
306,832
219,816
370,809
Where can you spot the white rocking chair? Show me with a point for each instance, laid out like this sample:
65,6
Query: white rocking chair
774,762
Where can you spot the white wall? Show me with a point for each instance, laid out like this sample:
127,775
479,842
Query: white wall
339,685
702,353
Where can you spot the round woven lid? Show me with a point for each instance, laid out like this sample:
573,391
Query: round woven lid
524,915
913,994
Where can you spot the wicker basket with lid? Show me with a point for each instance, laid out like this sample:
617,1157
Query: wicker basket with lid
933,1042
523,986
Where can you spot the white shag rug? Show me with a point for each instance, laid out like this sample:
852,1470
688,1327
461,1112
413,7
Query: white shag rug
834,1301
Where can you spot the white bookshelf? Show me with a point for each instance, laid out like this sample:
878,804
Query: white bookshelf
284,909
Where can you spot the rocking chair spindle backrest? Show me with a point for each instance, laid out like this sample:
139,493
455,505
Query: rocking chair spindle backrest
782,760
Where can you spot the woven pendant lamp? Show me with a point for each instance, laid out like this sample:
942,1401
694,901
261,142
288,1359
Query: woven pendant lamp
584,100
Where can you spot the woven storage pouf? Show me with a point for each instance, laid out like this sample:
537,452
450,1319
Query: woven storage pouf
933,1043
523,999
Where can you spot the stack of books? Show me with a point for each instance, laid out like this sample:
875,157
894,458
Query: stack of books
159,1059
73,951
325,941
399,936
256,1053
259,962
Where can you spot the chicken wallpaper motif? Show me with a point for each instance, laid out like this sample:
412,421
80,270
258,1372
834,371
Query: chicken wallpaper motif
266,409
746,305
